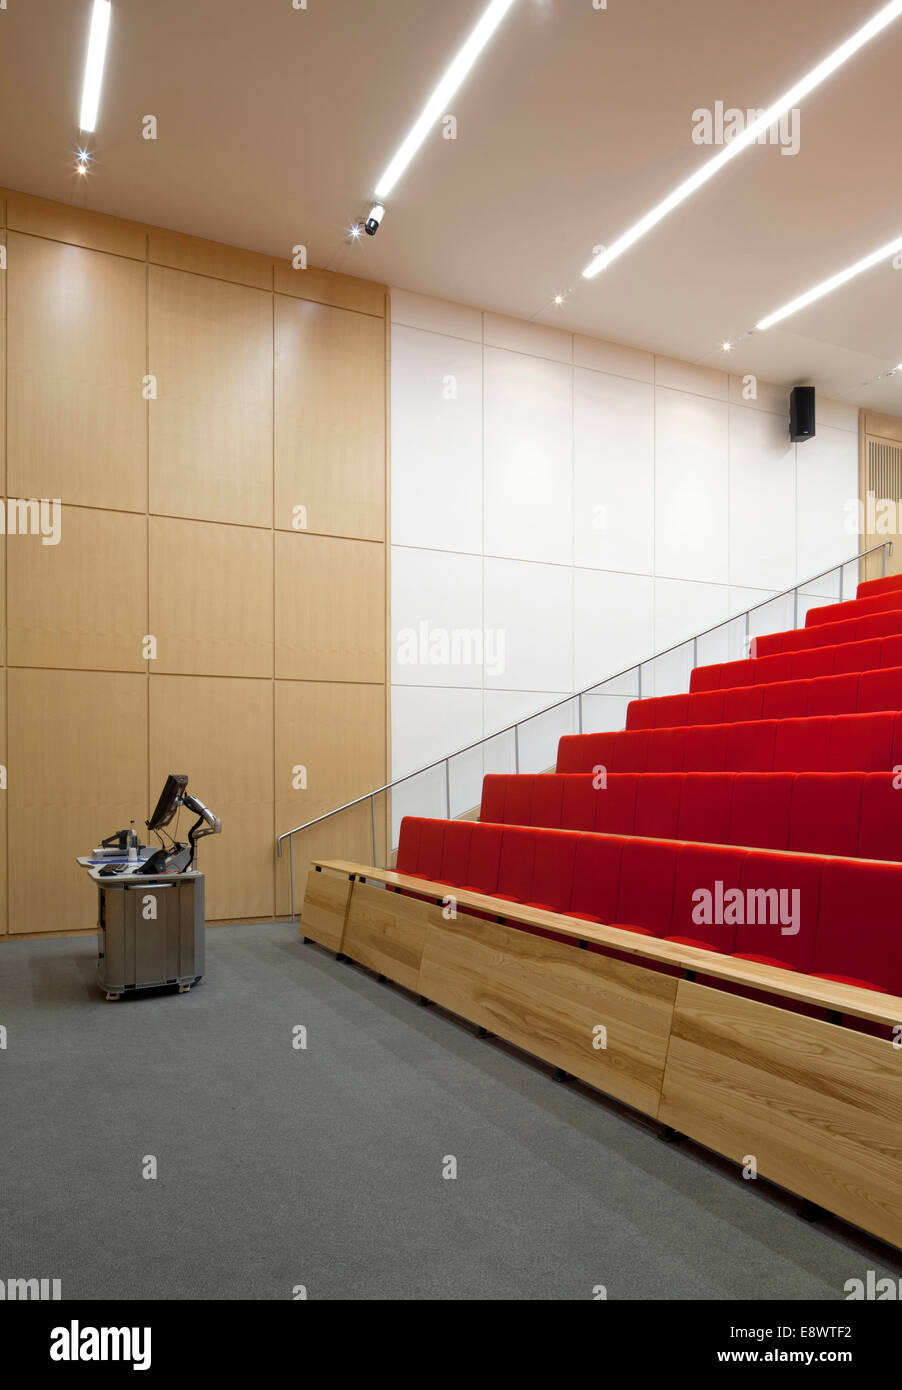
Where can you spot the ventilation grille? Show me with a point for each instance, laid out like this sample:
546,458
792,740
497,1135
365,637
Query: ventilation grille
884,469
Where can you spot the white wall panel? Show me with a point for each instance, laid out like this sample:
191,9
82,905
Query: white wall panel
762,500
827,478
613,472
437,622
436,387
528,616
613,618
691,487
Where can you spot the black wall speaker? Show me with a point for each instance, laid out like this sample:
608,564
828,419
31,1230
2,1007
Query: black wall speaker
801,413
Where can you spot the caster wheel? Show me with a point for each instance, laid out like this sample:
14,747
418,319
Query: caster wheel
112,996
183,989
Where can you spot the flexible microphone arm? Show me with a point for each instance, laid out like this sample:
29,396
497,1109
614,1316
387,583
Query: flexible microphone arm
206,823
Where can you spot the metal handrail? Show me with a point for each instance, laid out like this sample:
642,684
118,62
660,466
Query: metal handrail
514,728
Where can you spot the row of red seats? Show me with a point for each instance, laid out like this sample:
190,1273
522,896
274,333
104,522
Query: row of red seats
856,693
797,639
855,814
844,925
836,660
884,585
854,608
827,743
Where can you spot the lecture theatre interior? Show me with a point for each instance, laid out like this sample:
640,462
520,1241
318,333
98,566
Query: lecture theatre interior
451,463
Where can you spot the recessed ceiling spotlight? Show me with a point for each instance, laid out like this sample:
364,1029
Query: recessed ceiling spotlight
437,104
834,282
726,347
354,231
81,166
82,161
97,41
558,299
747,137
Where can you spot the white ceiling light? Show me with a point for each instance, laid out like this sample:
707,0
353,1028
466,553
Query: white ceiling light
437,104
747,137
90,93
833,283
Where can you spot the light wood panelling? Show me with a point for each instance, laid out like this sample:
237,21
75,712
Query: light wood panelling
351,829
385,932
219,730
209,258
330,608
81,604
76,414
211,598
330,419
77,763
548,998
819,1107
330,287
77,226
210,349
325,908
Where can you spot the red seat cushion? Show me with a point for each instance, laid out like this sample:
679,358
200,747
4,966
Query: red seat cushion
705,805
760,809
802,745
859,935
704,875
645,898
596,877
880,824
880,690
861,742
781,899
825,812
658,804
615,804
834,694
494,789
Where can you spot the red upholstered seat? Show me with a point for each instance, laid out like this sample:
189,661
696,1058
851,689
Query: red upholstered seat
802,745
743,703
825,812
698,917
857,656
706,677
640,714
670,710
494,789
429,848
877,625
859,935
630,752
665,751
578,801
552,875
781,894
547,796
704,748
706,707
615,804
817,661
485,858
645,898
834,694
408,845
760,809
705,805
857,607
883,585
861,742
750,747
456,851
785,700
596,877
658,804
880,690
890,652
880,823
515,869
518,799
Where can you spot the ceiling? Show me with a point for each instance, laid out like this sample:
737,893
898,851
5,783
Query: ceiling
275,123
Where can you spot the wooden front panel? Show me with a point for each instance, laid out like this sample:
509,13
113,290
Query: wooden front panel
325,908
818,1106
385,932
548,999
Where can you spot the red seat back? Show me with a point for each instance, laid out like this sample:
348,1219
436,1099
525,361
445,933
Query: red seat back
742,704
596,876
858,656
861,742
456,852
615,804
880,690
802,745
781,897
825,811
552,874
494,789
645,898
517,859
485,858
785,700
706,802
859,935
658,805
408,845
578,801
880,825
547,795
705,874
760,809
705,748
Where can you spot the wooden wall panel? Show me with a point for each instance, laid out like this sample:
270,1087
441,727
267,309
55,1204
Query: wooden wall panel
211,598
330,287
210,349
209,258
81,604
76,355
330,419
330,608
219,730
76,226
819,1107
77,763
346,836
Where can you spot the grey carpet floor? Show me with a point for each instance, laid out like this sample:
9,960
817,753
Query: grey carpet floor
323,1167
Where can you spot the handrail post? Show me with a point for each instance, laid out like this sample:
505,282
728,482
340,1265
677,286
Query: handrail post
795,607
639,681
579,707
746,632
291,873
516,748
373,824
883,556
447,789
